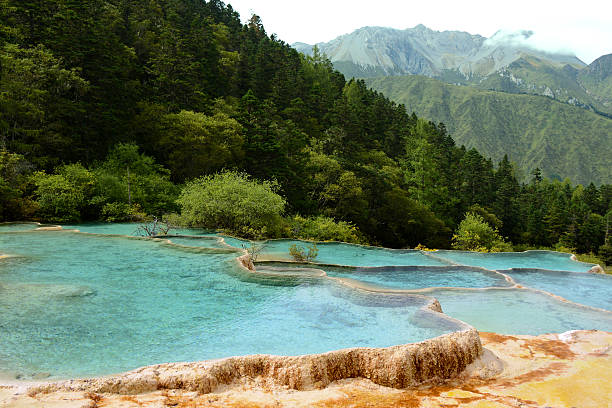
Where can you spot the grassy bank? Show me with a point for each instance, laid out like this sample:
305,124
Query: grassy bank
594,259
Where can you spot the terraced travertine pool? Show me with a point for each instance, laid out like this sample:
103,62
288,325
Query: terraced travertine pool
101,301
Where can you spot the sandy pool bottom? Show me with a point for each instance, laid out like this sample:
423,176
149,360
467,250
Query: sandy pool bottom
569,370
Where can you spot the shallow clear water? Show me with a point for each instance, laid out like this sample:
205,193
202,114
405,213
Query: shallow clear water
15,227
409,277
588,289
129,228
515,311
76,304
352,255
132,229
202,242
238,243
554,261
424,277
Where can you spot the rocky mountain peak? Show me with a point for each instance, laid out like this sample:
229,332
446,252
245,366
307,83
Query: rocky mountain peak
421,27
601,68
376,51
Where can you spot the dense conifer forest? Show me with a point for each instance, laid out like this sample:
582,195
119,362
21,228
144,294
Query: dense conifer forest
113,109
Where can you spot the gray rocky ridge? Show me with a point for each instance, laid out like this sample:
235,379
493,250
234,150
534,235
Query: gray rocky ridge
379,51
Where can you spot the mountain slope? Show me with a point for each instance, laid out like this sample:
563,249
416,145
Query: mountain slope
597,80
588,88
562,140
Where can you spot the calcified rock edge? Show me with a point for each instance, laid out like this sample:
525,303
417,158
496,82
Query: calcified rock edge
432,362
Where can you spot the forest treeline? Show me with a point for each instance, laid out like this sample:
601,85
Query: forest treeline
109,108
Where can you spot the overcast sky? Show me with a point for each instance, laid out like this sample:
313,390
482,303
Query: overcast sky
582,27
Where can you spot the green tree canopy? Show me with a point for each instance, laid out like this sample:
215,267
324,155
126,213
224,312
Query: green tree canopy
128,178
197,144
39,98
14,174
62,196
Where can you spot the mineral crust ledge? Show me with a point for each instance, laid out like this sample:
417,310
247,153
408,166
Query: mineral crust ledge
432,361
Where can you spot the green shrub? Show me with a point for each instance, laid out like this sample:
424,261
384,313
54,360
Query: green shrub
487,216
61,197
475,234
13,183
123,187
323,228
299,254
174,220
521,247
605,254
561,247
117,212
129,176
233,202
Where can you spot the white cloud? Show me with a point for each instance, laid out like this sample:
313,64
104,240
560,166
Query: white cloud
583,28
529,39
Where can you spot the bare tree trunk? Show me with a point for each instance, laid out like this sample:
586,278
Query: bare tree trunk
129,192
607,239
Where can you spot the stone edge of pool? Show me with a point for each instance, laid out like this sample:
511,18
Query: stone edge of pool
432,361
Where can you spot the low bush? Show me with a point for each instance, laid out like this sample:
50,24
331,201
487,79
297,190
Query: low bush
475,234
119,212
323,228
233,202
299,254
61,197
605,254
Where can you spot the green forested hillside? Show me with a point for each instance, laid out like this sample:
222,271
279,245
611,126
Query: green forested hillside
531,76
584,87
121,109
535,131
597,78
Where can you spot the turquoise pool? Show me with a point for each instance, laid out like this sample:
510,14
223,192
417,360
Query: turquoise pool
79,304
128,228
516,311
17,227
422,277
547,260
352,255
201,242
76,304
589,289
411,277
